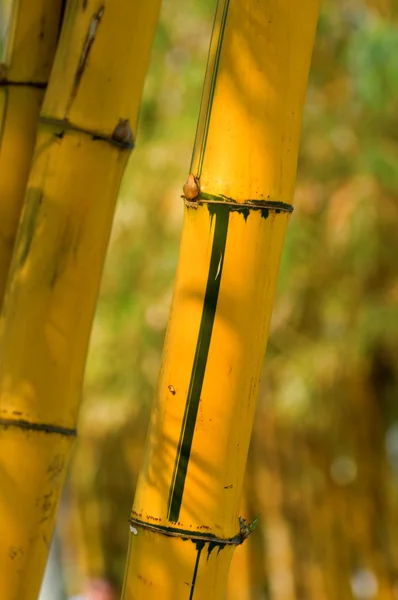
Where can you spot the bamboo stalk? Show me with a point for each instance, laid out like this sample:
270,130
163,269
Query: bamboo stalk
184,522
86,132
28,36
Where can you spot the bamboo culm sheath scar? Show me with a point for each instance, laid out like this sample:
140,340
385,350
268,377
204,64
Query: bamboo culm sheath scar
86,131
185,521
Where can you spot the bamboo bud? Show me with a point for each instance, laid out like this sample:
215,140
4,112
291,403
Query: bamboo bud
191,188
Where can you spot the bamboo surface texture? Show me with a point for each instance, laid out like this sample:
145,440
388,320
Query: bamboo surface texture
185,519
29,31
86,132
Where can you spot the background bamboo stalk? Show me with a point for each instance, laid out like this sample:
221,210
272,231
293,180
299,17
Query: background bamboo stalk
29,32
184,523
87,130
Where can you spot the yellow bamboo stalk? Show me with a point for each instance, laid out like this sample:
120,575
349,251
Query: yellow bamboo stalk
184,522
28,36
86,132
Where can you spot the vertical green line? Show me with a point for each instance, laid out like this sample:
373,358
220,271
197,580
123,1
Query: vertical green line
209,100
199,548
199,364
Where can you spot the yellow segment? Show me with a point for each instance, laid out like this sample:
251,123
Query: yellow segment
247,146
55,276
227,399
202,569
33,37
99,63
32,474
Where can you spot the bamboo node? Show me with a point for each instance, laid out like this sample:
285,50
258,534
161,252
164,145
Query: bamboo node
65,125
247,529
197,536
122,132
4,82
48,428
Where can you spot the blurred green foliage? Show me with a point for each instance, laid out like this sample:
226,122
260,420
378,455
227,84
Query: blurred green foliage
338,287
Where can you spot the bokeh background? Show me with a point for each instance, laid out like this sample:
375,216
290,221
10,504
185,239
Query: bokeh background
323,465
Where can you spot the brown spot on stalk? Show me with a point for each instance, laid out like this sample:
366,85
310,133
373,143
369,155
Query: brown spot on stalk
14,552
122,132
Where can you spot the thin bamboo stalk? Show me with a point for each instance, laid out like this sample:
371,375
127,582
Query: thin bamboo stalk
184,522
86,132
28,36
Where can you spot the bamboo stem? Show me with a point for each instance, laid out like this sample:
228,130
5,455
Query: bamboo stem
184,522
86,132
28,36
